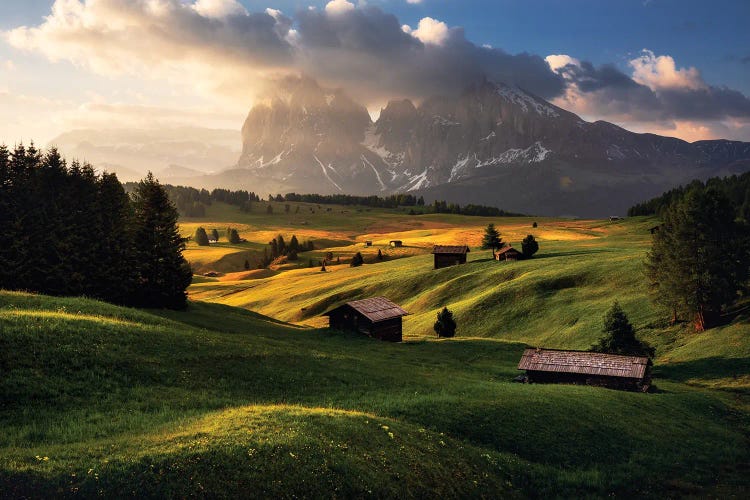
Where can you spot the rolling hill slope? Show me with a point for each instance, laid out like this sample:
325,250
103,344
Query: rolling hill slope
102,400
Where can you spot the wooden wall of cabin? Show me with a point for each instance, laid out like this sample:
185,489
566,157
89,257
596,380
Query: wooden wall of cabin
446,260
389,330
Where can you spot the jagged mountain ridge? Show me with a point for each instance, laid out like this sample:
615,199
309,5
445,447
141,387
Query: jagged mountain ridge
494,144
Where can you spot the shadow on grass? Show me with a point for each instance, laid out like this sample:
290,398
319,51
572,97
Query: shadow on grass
705,368
550,255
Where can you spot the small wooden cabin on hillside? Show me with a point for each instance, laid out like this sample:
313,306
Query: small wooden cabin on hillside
449,255
508,253
377,317
396,243
632,373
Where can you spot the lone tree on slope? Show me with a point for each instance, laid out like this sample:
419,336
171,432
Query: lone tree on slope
445,326
200,237
619,336
491,239
529,246
357,260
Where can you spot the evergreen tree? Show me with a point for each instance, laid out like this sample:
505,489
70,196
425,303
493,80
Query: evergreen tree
534,225
699,257
247,264
200,237
420,201
445,326
164,273
529,246
294,244
281,245
357,260
380,255
269,208
491,239
234,236
274,248
215,235
619,336
291,255
323,267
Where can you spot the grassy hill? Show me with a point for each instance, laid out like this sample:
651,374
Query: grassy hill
218,400
103,400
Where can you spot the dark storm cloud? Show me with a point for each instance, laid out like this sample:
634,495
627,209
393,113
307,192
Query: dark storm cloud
367,50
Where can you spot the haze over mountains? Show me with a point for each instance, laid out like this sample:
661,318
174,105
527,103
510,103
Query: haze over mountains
494,144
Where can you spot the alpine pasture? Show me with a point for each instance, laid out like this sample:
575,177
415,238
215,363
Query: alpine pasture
247,393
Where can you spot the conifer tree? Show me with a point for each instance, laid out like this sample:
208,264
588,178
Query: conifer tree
380,254
294,244
215,235
491,239
445,326
164,273
200,237
357,260
234,236
281,245
699,258
529,246
619,336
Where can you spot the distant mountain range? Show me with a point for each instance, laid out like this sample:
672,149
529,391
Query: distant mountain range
495,144
171,153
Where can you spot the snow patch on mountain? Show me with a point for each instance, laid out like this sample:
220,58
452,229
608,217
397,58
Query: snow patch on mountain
526,101
325,172
365,161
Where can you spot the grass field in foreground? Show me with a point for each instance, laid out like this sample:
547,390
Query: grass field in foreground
101,400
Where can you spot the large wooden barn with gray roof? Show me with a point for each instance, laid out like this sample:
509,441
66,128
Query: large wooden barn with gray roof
376,317
590,368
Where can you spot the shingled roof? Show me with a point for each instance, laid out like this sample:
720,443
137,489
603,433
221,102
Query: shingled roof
450,249
583,362
507,249
376,309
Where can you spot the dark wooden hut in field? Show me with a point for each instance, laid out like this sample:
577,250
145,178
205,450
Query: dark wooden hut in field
377,317
449,255
396,243
508,253
631,373
368,243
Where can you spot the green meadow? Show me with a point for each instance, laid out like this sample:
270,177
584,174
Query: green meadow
246,393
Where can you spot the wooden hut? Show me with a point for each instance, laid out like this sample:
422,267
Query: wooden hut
449,255
396,243
631,373
368,243
508,253
377,317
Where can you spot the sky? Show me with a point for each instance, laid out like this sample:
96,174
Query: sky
679,68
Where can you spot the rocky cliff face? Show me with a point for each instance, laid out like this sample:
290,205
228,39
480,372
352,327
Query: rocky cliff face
494,144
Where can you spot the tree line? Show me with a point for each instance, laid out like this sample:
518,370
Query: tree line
192,202
71,231
699,258
735,188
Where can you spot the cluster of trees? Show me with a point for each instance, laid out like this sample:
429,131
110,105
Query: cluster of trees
698,263
491,240
441,207
69,231
203,238
192,202
392,201
278,247
735,188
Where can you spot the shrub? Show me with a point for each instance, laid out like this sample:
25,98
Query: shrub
529,246
200,237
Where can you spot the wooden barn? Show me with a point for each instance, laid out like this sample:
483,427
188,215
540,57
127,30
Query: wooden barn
377,317
632,373
396,243
508,253
449,255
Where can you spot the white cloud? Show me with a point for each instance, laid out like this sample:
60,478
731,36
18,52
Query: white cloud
219,8
558,61
660,72
336,7
414,2
430,31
